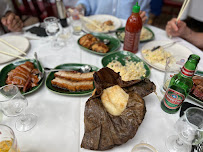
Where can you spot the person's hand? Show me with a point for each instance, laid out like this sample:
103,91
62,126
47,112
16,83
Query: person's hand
12,22
176,28
143,16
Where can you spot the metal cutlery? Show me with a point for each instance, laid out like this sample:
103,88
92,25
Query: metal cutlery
82,69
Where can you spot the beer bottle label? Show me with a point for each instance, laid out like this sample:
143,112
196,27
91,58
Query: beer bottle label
186,72
173,99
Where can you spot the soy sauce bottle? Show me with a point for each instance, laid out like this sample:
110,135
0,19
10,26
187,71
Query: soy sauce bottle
132,30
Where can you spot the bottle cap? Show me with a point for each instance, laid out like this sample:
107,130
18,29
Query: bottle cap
194,57
136,8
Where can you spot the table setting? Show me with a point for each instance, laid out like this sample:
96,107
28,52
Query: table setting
59,100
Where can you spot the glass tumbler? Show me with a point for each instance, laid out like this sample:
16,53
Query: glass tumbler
8,141
172,67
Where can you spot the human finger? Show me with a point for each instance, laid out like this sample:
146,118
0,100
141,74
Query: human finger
3,20
10,18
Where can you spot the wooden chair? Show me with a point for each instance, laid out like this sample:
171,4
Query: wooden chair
39,9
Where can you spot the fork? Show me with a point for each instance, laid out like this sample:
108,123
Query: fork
164,46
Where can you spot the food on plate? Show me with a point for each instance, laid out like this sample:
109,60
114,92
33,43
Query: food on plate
89,41
102,129
25,76
100,47
145,34
114,100
73,80
157,56
131,70
197,89
104,26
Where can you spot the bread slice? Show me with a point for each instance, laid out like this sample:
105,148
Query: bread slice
75,76
72,85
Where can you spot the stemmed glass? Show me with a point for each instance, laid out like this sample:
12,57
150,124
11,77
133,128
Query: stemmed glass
13,103
190,131
52,29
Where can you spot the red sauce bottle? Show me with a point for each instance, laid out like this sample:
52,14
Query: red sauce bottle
132,30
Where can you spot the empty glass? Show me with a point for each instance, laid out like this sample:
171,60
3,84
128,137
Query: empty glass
52,29
8,142
172,67
13,103
190,131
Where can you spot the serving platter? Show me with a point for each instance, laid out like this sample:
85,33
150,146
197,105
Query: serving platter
102,18
178,51
18,41
72,66
191,96
113,45
122,57
121,32
5,70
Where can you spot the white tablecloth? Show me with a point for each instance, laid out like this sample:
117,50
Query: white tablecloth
60,125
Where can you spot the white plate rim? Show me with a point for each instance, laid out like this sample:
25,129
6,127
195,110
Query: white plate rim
98,17
25,41
156,43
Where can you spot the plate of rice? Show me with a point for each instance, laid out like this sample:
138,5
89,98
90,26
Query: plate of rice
157,58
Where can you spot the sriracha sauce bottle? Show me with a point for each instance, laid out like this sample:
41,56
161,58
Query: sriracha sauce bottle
132,30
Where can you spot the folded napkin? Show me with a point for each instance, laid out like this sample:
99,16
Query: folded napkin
39,31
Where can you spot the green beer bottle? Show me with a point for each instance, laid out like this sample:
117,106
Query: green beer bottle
179,86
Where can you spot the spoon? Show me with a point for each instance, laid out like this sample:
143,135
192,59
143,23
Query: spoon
41,75
163,46
82,69
106,41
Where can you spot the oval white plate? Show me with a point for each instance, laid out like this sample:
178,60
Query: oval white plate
103,18
177,50
18,41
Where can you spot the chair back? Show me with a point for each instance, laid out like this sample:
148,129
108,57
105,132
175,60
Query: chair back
40,9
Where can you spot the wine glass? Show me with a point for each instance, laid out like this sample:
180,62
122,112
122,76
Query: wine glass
52,29
13,103
8,141
189,128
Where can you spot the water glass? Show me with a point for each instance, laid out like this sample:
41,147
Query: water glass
13,103
172,67
8,141
52,29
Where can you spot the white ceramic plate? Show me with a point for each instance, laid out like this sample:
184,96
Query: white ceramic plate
103,18
178,51
17,41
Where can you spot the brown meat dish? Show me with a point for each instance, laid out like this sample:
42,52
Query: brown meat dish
91,42
109,23
104,131
73,80
100,47
24,76
197,89
88,40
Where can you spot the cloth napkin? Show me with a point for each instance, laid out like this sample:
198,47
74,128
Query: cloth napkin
39,31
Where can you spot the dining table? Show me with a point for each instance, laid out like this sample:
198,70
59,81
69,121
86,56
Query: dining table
60,125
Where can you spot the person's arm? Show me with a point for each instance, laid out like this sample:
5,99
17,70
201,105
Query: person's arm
180,29
195,38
